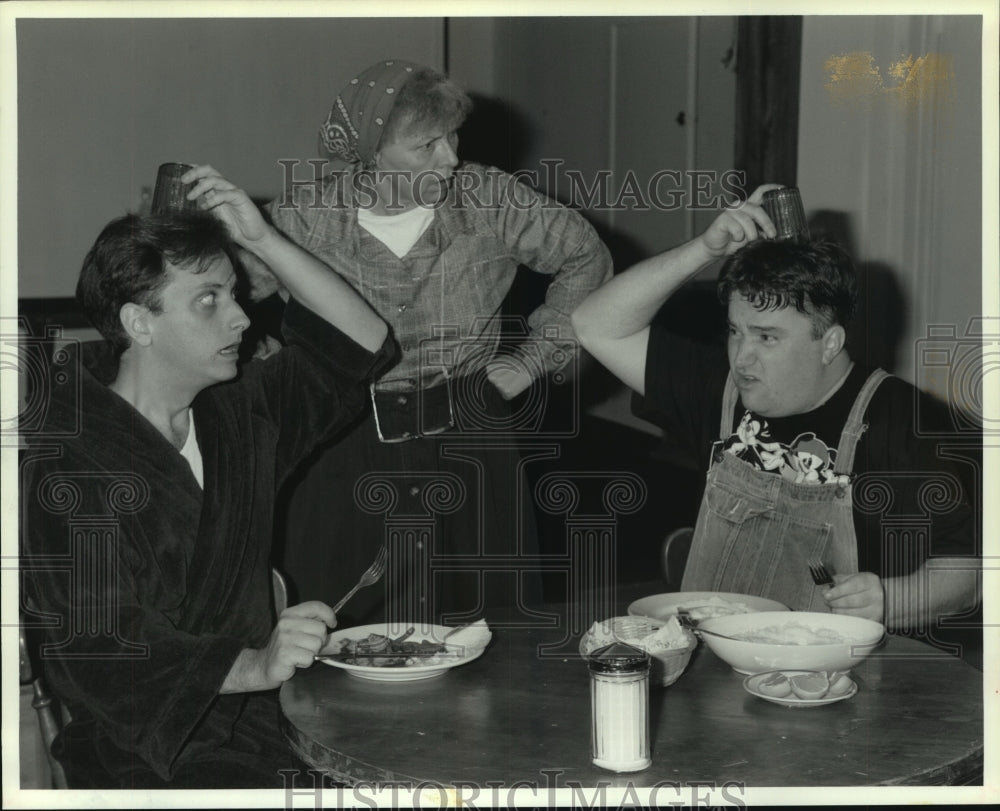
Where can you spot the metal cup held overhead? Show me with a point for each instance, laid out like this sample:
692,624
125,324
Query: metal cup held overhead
784,207
169,195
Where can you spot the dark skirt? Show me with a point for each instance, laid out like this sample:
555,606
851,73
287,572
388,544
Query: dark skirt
251,754
453,509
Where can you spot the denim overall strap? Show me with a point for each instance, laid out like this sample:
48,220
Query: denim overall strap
856,425
757,531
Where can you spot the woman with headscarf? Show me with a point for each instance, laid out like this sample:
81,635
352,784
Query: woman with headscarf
433,469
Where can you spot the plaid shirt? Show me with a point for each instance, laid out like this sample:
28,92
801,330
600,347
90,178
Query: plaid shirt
443,298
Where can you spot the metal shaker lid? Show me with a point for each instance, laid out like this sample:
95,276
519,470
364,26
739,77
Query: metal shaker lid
618,657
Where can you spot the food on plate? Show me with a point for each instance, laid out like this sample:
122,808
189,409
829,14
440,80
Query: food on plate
380,650
794,633
809,686
840,684
377,650
796,686
713,607
775,685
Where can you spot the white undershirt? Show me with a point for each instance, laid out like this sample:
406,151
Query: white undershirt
192,453
398,232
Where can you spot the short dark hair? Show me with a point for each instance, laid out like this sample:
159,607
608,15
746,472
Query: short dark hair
816,277
428,98
127,264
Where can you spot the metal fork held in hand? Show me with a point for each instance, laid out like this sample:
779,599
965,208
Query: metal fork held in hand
371,576
820,574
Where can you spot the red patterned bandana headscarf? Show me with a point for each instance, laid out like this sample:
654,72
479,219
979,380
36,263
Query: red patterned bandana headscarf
354,126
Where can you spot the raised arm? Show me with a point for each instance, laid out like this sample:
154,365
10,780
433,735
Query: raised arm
613,322
303,275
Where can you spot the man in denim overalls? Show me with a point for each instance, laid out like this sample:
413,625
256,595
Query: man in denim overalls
779,493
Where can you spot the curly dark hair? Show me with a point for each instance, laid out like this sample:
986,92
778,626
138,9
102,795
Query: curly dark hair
127,264
816,277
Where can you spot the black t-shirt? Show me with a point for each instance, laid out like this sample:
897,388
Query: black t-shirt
911,476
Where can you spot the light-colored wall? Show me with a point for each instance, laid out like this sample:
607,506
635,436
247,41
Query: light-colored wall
603,93
101,103
471,53
897,151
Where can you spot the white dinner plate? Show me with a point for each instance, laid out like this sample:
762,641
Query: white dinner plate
664,606
750,685
457,655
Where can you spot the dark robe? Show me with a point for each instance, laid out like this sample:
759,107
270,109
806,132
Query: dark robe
156,584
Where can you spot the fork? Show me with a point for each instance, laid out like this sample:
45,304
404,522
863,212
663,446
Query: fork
371,576
820,574
687,621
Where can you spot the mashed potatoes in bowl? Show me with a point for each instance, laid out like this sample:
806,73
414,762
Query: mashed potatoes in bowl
701,605
792,640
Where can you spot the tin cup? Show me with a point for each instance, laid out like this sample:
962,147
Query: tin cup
784,207
169,195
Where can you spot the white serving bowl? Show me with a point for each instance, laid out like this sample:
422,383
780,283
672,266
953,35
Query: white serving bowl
853,639
664,606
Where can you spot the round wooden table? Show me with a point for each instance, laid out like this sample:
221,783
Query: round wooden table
520,714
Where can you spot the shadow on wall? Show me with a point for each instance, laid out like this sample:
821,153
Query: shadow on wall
876,342
495,134
878,327
498,134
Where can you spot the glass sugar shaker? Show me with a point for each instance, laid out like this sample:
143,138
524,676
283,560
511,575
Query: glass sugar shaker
619,706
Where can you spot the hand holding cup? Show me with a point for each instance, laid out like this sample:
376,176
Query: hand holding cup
210,191
784,207
170,193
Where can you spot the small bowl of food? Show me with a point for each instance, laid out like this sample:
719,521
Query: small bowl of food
668,644
791,640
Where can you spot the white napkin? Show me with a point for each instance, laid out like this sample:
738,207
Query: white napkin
472,637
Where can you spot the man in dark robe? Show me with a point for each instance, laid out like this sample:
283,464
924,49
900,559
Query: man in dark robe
147,499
